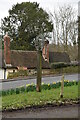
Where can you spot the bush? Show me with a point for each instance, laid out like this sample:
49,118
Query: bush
8,92
76,82
59,65
17,74
17,90
30,88
4,93
0,93
12,91
44,87
22,89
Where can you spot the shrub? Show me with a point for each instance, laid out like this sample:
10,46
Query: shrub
0,93
65,84
17,90
44,87
8,92
12,91
22,89
48,86
59,65
4,93
17,74
76,82
30,88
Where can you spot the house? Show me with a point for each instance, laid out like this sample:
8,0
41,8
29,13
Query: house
12,60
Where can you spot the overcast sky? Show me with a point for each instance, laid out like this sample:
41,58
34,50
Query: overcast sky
50,5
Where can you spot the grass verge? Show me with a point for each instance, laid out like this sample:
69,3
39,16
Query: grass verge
26,99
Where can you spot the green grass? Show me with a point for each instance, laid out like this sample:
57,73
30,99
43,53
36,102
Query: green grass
32,87
26,99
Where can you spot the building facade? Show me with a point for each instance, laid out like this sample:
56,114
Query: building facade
13,60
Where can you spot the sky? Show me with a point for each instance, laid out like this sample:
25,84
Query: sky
48,5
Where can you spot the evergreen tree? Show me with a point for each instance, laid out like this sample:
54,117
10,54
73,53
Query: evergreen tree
24,23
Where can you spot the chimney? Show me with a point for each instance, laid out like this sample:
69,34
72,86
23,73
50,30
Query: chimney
46,51
7,50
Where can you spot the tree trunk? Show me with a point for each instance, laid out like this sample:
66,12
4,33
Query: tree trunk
39,70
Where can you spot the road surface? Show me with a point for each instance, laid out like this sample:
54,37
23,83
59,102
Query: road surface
69,111
14,84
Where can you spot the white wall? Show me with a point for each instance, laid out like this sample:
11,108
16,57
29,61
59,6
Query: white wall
1,74
7,71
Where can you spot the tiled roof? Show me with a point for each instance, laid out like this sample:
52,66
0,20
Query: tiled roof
58,57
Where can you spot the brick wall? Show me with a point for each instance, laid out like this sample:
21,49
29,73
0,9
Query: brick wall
7,49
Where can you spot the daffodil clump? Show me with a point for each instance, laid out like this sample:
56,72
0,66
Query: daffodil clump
32,87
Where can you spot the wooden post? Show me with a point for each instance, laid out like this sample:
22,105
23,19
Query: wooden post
39,70
62,87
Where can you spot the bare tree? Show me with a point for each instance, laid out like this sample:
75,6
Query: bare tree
57,28
65,25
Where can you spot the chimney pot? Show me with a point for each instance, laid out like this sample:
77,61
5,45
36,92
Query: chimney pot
46,51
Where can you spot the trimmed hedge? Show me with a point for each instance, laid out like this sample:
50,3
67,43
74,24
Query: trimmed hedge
59,65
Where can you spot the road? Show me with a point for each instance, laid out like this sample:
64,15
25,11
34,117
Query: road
14,84
69,111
